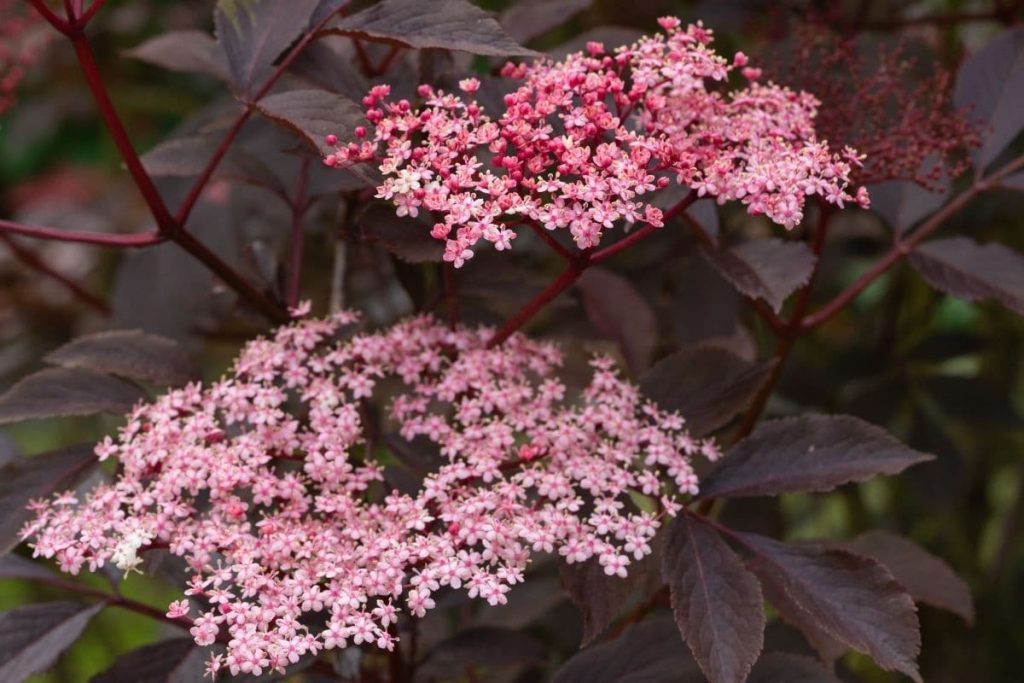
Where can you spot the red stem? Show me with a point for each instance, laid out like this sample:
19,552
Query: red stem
298,206
51,18
222,149
165,222
98,238
788,335
904,246
555,245
32,260
636,236
388,60
577,264
95,7
561,283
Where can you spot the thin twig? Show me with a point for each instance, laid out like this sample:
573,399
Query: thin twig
32,260
192,197
103,239
903,247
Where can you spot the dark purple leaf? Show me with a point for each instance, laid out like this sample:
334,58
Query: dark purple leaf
648,652
715,314
770,269
902,203
38,476
187,157
32,637
59,392
927,578
169,661
853,599
406,237
325,9
485,646
619,311
444,24
331,63
717,602
601,598
828,648
17,567
179,158
961,267
313,114
784,667
189,51
253,33
528,19
707,385
806,454
991,85
129,353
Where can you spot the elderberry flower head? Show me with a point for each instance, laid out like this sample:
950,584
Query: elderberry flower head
270,486
586,142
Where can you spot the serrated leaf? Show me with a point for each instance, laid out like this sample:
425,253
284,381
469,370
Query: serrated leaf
717,603
528,19
852,598
648,652
406,237
32,637
991,85
828,648
60,392
770,269
38,476
927,578
619,311
484,646
313,114
169,661
811,453
707,385
17,567
784,667
253,33
129,353
961,267
189,51
443,24
601,598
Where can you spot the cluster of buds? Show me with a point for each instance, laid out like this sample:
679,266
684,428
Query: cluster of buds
877,101
271,485
585,143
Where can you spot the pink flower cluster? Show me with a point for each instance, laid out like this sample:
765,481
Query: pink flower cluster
270,486
585,142
22,33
